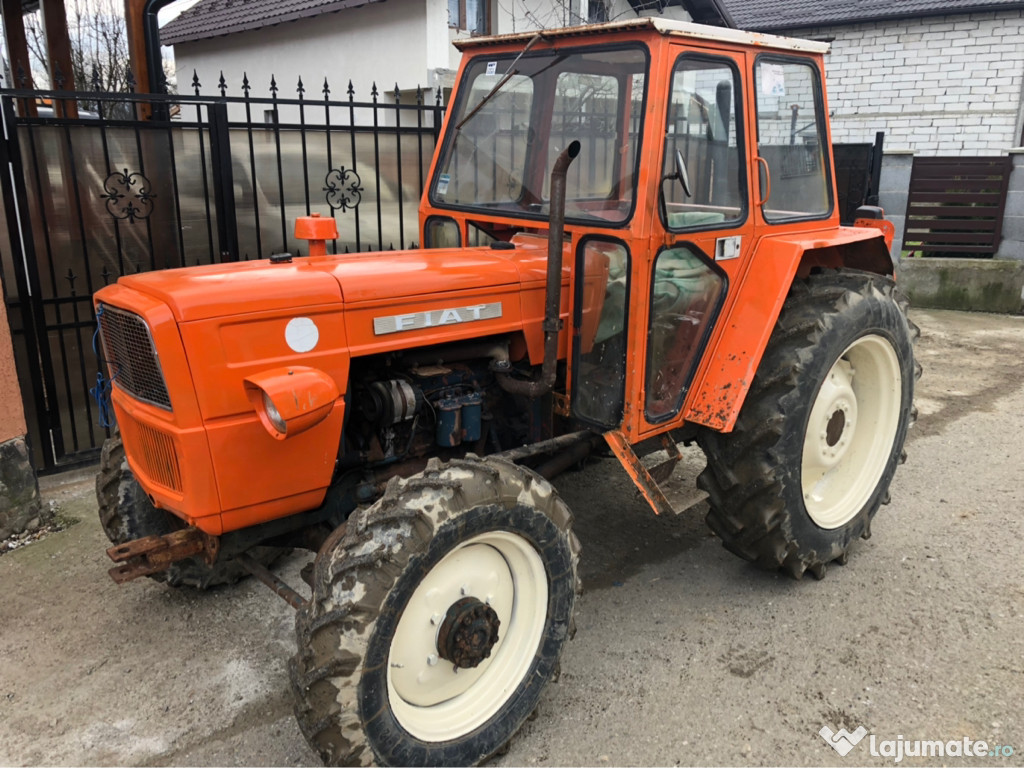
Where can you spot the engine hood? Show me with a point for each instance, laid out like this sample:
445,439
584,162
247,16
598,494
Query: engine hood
399,274
218,290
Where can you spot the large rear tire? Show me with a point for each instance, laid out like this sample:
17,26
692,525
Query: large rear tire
821,433
126,513
437,616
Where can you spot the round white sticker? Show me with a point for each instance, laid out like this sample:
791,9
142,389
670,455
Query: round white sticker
301,334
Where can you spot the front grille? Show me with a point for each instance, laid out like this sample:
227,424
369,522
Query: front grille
128,349
158,457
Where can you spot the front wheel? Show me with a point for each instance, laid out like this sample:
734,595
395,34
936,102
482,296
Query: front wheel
437,616
822,430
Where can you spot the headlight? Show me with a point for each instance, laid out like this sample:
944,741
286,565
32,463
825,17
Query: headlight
273,415
291,400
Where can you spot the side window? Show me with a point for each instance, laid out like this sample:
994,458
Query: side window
791,140
602,309
702,128
686,294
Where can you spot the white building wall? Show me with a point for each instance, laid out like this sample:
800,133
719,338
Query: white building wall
947,85
368,44
408,43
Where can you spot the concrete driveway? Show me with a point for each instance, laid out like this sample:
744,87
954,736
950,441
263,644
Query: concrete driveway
684,656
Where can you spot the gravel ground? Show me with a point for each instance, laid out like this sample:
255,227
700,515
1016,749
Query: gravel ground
684,654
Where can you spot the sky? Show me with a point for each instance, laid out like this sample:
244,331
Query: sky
164,15
172,11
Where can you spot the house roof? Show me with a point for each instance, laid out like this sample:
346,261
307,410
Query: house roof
212,18
765,15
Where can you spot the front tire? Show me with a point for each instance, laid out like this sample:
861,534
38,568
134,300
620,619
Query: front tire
438,614
821,433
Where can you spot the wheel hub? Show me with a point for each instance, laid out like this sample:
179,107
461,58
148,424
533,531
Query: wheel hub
835,426
468,633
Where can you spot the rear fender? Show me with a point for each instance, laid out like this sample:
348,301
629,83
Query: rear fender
731,361
870,255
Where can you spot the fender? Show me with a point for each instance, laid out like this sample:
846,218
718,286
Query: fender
732,359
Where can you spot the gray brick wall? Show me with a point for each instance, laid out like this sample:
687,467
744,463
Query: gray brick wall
945,85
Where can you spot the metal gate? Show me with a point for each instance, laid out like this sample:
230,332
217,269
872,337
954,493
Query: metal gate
135,183
858,176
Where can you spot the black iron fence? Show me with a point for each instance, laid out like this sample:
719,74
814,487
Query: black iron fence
137,183
858,169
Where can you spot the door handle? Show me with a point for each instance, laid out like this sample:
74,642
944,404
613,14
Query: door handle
760,201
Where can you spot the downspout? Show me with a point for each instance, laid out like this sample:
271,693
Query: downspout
553,289
151,35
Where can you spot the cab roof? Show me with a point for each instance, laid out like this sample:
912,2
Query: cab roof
668,27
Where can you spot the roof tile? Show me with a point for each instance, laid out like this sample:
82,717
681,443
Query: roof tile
213,18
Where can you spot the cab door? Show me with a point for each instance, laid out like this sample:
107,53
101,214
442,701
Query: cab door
703,223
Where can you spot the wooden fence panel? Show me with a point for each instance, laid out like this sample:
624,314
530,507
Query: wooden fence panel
955,206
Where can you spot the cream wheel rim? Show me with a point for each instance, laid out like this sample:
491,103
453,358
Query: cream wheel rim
850,431
432,699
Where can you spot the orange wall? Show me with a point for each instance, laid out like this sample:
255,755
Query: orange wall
12,414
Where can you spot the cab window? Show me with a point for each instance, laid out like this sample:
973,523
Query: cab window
702,128
791,140
686,294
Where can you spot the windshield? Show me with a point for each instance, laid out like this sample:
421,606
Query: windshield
499,158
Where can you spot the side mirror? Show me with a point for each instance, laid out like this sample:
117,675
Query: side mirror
680,174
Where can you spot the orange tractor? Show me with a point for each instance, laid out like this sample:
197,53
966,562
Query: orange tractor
631,239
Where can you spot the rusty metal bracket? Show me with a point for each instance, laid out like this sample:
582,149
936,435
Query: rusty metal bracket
662,472
647,480
153,554
261,572
647,485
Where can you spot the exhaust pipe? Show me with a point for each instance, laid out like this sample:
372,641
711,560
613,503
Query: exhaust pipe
553,293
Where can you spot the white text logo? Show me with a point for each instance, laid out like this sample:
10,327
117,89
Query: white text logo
843,741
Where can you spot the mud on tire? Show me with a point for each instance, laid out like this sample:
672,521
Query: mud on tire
368,682
126,513
822,429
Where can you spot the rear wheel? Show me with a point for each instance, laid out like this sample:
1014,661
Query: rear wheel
126,513
822,430
438,614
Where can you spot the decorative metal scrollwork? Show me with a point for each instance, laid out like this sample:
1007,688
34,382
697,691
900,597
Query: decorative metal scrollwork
128,196
343,190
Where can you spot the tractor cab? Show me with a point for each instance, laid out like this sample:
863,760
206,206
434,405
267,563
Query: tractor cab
694,144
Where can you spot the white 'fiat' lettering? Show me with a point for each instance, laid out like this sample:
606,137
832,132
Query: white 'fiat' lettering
450,316
412,321
404,321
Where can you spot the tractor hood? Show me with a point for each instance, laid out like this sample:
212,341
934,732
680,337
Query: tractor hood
218,290
398,274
